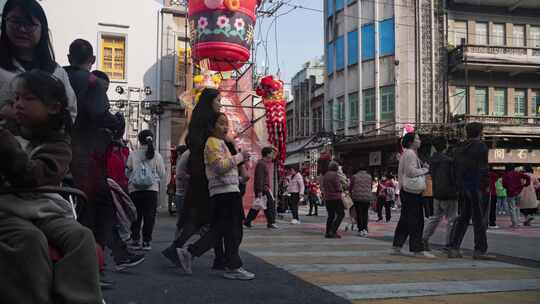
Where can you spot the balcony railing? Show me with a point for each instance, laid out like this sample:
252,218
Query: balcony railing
500,120
494,55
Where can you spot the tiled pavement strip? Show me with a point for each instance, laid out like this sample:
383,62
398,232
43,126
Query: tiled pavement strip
363,271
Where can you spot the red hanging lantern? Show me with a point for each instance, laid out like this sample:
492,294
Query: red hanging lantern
271,91
222,31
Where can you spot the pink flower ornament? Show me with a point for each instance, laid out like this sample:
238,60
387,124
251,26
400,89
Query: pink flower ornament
203,23
222,21
239,24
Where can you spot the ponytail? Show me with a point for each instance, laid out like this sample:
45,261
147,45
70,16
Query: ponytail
147,138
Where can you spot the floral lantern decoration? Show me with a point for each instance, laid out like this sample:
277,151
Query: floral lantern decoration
222,31
271,91
202,81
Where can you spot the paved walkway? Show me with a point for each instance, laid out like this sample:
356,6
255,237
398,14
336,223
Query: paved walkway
296,264
361,270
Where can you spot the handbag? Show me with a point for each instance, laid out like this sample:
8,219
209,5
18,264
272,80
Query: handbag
347,200
415,184
259,203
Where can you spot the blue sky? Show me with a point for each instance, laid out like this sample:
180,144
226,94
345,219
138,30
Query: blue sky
300,38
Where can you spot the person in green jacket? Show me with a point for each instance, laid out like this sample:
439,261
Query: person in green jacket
502,205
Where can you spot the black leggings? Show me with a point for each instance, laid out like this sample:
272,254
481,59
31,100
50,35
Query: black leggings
411,222
146,204
226,225
362,214
293,204
336,213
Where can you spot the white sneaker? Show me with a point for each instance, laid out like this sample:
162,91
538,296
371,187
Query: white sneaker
493,227
396,251
272,226
295,222
365,233
185,259
238,274
424,254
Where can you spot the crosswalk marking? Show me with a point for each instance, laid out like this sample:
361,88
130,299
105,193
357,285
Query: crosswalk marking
362,269
458,264
385,291
320,253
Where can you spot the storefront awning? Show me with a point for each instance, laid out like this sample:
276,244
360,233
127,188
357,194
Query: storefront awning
295,158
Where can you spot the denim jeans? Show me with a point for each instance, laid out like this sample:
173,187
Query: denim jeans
502,205
514,210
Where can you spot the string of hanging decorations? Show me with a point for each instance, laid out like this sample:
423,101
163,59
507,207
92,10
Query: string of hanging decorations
271,92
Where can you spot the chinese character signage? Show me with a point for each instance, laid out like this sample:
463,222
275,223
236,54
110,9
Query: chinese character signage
515,156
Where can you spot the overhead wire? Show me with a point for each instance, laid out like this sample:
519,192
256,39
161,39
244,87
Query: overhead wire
400,24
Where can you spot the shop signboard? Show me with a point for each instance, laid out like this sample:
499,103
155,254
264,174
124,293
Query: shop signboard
514,156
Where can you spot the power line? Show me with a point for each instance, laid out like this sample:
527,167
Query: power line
400,24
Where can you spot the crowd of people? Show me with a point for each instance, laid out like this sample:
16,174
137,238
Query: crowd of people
56,130
453,183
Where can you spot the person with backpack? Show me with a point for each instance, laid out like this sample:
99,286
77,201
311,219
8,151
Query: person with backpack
444,192
471,164
145,169
514,182
116,158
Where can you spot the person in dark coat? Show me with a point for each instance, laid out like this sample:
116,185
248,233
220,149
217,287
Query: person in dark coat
91,137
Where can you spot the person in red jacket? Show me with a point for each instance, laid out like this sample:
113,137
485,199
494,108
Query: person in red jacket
514,182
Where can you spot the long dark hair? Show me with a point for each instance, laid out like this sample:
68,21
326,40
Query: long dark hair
44,55
202,121
49,90
146,137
